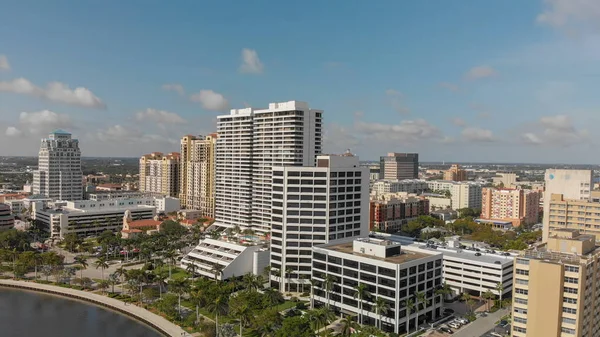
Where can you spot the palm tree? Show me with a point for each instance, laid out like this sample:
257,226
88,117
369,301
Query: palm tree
466,297
160,276
121,272
82,262
410,308
288,276
113,279
103,285
421,300
328,282
191,268
102,264
170,256
348,325
179,286
218,306
381,308
500,290
37,259
244,313
488,295
313,284
218,271
361,293
251,282
444,290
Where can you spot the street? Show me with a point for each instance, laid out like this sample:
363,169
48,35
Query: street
482,325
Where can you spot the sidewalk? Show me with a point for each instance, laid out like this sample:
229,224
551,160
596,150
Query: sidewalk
157,322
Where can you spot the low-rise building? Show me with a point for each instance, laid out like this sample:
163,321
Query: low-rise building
455,173
416,186
438,202
556,287
515,205
7,220
222,259
504,179
388,270
109,187
389,211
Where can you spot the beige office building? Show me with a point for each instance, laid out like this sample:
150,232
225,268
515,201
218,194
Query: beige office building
572,184
159,173
582,215
197,174
555,290
455,173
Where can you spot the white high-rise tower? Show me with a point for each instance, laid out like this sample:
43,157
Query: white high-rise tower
250,143
59,174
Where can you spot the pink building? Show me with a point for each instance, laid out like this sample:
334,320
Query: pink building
515,205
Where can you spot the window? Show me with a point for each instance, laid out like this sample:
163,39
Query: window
571,280
523,272
523,261
521,281
521,330
569,320
570,290
569,300
520,320
520,301
521,291
568,331
570,311
521,311
572,269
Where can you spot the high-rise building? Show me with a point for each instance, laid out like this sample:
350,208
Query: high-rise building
572,184
159,173
555,287
515,205
59,174
197,174
582,215
455,173
314,205
398,166
250,143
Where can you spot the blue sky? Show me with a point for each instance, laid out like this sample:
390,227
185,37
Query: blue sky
501,81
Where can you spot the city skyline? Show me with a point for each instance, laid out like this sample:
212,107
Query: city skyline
499,90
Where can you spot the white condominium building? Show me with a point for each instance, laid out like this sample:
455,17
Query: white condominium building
252,141
197,174
314,205
463,194
160,173
59,174
416,186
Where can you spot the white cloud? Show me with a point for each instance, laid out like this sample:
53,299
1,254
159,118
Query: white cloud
174,87
250,62
477,134
4,65
159,116
210,100
561,13
55,92
556,130
338,138
41,122
531,138
121,134
480,72
396,100
12,131
410,131
450,86
459,122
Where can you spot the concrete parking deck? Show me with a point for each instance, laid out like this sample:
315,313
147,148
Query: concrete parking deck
157,322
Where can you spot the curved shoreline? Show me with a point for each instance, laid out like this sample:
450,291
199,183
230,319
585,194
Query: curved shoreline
156,322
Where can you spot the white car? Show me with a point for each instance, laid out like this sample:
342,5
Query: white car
462,320
454,325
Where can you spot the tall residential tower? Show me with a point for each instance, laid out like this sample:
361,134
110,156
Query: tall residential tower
159,173
250,143
59,174
197,174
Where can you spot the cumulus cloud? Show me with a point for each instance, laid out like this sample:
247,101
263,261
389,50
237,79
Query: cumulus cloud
210,100
178,88
159,116
563,13
556,130
4,65
396,100
476,134
41,122
12,131
410,131
450,86
55,92
459,122
338,138
120,134
251,64
480,72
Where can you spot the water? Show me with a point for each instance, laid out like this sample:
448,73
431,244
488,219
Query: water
25,314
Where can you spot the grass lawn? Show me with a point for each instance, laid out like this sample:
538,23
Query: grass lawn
178,272
286,305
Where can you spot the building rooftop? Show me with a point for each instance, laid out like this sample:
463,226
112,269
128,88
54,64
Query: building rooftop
403,257
60,132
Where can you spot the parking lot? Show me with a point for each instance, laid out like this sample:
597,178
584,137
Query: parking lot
481,327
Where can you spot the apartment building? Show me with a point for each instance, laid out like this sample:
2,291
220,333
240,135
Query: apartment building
388,212
311,206
463,194
252,141
7,220
556,287
455,173
197,173
416,186
59,174
389,271
159,173
504,179
87,217
572,184
582,215
515,205
399,166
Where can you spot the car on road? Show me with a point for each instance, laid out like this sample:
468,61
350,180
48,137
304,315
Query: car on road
477,254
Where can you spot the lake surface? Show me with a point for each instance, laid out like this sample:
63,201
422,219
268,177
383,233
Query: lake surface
30,314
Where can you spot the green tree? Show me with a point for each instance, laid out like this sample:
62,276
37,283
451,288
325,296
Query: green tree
295,326
218,306
241,311
444,290
328,283
361,293
500,290
168,305
72,241
410,308
381,308
82,262
179,286
102,264
113,279
347,325
421,301
488,295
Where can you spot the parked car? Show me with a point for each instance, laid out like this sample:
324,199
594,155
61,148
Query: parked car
477,254
497,262
454,325
446,330
462,320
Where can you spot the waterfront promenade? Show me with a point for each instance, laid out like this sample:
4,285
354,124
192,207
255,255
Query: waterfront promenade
157,322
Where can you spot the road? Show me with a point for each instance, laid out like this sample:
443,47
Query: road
481,325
